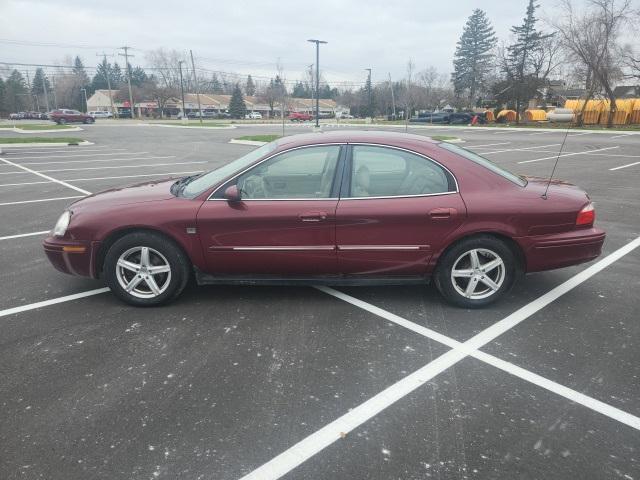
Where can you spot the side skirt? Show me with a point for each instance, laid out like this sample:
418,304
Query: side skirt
344,280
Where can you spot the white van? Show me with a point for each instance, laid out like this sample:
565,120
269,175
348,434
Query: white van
100,114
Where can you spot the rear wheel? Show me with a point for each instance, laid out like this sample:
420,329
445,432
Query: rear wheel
146,269
62,121
476,272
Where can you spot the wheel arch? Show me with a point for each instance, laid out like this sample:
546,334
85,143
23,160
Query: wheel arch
116,235
515,248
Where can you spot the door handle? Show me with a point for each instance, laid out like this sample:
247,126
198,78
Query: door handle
313,216
443,213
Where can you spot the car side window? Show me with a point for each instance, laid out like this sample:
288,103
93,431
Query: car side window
387,172
301,173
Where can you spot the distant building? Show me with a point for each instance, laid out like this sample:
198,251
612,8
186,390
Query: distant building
213,103
627,91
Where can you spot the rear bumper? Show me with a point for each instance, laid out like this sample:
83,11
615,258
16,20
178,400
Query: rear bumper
72,256
546,252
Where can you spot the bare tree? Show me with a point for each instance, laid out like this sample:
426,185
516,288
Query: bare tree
591,36
165,65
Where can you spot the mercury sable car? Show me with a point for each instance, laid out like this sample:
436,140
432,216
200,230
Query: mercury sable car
340,208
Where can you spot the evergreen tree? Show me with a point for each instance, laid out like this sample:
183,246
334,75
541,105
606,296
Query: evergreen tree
15,90
138,76
367,98
519,65
473,57
4,107
301,90
39,81
80,81
99,81
80,72
250,88
237,107
116,77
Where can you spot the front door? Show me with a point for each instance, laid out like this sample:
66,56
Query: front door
284,223
396,209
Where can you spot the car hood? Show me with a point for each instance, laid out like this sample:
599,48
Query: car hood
139,193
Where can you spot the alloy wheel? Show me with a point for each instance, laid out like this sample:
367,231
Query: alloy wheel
143,272
478,273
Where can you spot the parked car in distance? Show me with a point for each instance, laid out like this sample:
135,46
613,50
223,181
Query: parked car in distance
409,209
64,115
253,115
300,117
346,116
429,117
100,114
17,116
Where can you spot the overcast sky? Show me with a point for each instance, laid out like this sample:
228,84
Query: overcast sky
250,36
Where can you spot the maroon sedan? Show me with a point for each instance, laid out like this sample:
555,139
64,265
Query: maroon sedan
340,208
64,115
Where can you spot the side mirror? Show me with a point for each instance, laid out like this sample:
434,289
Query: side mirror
232,193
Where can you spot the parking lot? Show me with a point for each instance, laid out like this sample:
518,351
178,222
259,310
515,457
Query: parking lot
316,383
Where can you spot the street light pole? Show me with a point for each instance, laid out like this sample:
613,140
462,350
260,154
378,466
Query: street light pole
180,62
317,42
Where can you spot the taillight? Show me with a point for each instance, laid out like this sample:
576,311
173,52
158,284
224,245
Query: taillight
586,216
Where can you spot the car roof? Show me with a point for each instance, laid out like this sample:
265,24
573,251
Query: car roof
399,139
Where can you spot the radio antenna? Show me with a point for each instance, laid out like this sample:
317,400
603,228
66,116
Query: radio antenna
555,165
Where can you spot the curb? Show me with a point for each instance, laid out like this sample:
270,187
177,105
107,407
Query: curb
49,144
185,126
71,129
247,142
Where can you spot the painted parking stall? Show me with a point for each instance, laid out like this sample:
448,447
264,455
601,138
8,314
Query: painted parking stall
279,382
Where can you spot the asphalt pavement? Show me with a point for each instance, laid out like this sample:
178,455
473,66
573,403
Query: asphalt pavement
302,383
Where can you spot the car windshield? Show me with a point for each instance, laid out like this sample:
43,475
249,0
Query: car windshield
485,162
199,184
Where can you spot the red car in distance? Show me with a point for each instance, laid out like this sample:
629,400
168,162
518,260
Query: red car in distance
64,115
339,208
300,117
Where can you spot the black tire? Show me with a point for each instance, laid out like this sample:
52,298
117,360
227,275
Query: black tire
89,120
487,248
62,121
179,263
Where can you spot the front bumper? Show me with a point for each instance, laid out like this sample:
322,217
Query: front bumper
546,252
72,256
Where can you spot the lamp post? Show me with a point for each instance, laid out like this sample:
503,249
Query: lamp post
180,62
317,42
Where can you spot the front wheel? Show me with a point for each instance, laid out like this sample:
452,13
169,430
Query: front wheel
476,272
146,269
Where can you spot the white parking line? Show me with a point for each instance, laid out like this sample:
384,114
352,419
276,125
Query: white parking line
317,441
620,136
567,155
104,178
98,160
579,134
487,145
53,301
61,182
523,149
624,166
539,133
21,235
104,168
575,396
40,200
95,148
80,155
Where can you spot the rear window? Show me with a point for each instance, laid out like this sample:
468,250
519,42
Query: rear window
485,162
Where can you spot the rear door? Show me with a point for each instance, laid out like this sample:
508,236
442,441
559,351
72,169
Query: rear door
396,209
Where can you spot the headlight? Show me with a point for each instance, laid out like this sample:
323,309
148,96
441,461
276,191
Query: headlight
61,225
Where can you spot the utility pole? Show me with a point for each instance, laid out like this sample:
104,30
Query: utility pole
393,100
53,89
195,80
370,88
180,62
86,102
126,60
108,75
317,42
